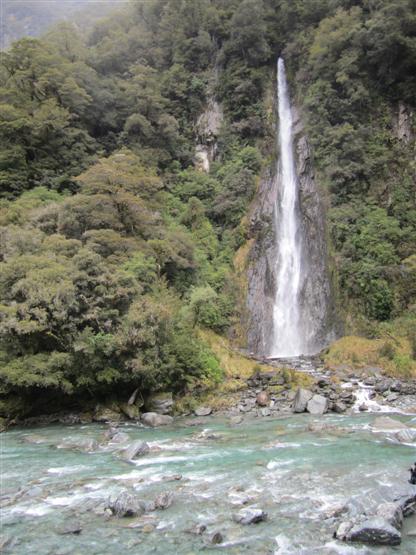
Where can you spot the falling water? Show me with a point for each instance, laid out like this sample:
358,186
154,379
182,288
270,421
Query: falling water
288,338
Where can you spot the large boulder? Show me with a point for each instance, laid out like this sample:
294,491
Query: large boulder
153,419
250,516
407,435
161,403
392,513
375,531
318,404
387,423
301,399
136,449
125,505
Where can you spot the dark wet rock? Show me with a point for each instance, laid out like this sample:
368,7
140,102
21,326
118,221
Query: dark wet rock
383,385
164,500
70,527
125,505
392,513
406,436
250,516
161,403
375,531
203,411
153,419
216,538
363,407
301,399
105,414
136,449
387,423
263,399
371,380
318,404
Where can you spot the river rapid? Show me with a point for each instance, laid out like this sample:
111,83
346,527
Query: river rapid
299,472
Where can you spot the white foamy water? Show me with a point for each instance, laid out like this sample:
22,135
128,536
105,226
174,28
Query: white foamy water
288,339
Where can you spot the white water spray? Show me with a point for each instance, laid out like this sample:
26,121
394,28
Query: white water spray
288,337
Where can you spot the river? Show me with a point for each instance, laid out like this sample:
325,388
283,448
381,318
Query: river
300,477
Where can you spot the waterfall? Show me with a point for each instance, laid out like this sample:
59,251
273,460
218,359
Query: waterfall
288,337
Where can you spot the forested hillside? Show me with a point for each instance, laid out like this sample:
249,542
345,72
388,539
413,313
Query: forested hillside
117,250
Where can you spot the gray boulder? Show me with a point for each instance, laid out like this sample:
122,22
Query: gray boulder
318,404
136,449
387,423
203,411
339,407
407,435
376,531
161,403
153,419
301,399
71,527
250,516
392,513
125,505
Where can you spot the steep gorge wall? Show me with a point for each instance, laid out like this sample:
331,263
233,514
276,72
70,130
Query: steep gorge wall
317,299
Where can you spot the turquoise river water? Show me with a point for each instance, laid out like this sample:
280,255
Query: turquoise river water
298,476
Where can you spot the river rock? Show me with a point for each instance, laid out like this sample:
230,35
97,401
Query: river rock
125,505
119,437
387,423
339,407
265,411
136,449
318,404
161,403
263,399
301,399
164,500
153,419
392,513
216,538
71,527
81,444
407,435
105,414
203,411
235,420
375,531
250,516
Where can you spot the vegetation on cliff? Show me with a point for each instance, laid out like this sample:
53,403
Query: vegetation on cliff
116,250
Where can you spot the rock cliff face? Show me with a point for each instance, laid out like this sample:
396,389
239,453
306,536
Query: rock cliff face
404,123
317,304
207,130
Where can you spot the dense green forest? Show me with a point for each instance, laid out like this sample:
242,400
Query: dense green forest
116,250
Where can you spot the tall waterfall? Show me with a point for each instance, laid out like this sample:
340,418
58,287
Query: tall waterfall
288,335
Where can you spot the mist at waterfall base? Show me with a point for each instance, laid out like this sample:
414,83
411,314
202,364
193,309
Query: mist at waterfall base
288,333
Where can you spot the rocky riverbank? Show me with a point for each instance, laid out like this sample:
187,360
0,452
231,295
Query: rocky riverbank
264,394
